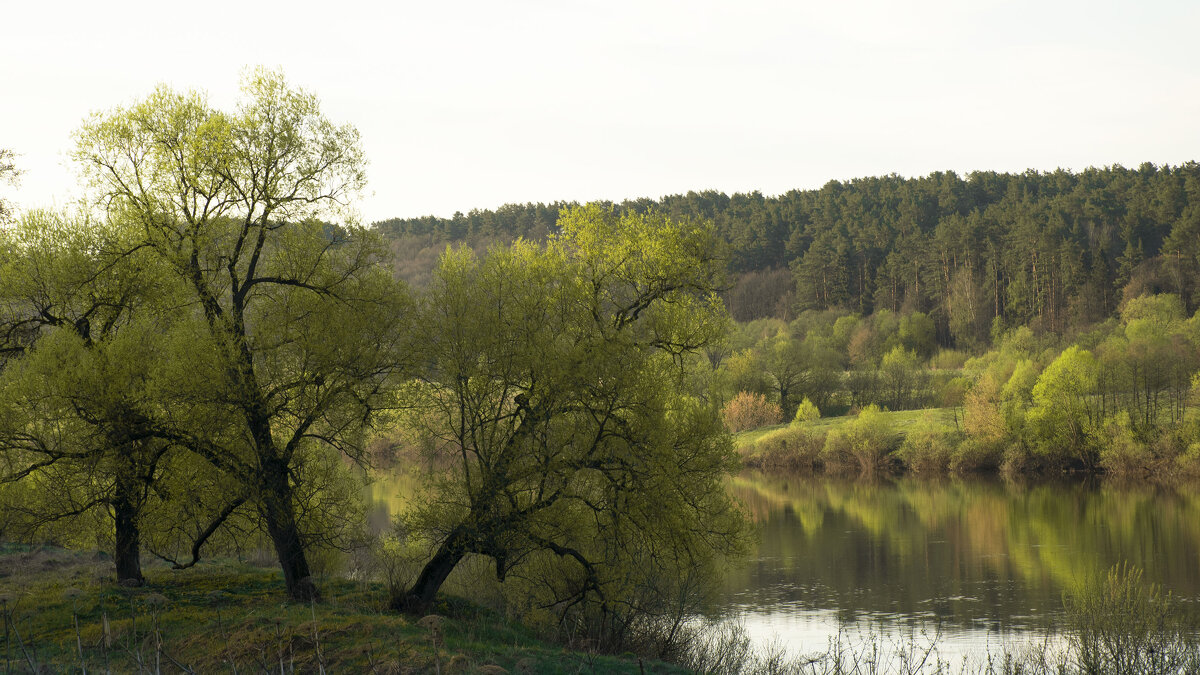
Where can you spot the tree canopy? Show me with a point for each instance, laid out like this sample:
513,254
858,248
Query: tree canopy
570,453
295,327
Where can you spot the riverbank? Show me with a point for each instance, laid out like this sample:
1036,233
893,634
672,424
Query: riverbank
62,612
937,442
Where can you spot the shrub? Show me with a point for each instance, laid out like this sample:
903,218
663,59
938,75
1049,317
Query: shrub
948,359
1120,625
977,454
835,452
806,412
748,410
1122,454
866,443
791,449
928,447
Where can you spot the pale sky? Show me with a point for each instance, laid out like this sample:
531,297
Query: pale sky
466,105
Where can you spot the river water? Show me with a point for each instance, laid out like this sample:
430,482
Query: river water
979,565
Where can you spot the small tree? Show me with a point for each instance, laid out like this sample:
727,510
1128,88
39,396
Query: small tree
83,315
1062,419
806,412
747,410
866,443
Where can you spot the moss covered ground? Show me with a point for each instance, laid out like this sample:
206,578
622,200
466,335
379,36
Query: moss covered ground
64,613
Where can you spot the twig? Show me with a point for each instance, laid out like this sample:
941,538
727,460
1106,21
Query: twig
312,604
33,666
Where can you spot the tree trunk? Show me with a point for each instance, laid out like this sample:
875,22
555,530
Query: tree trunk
434,574
127,555
280,518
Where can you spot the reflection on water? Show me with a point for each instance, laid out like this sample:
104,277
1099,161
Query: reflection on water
976,562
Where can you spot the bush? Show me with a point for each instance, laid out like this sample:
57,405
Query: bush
1122,454
835,452
748,410
977,454
806,412
791,449
929,446
866,443
1120,625
948,359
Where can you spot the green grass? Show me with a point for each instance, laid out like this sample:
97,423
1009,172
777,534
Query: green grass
901,421
219,615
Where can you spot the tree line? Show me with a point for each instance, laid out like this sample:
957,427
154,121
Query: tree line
1048,249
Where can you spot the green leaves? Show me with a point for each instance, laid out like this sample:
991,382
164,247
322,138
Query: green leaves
556,409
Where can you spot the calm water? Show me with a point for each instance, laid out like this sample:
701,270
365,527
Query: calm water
981,564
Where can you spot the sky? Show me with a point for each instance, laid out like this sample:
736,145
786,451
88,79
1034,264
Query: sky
465,105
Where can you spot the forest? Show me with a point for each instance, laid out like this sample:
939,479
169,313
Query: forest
1055,251
1011,306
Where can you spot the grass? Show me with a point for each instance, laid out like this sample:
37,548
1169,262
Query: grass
900,420
62,612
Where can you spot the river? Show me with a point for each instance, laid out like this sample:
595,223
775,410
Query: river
980,565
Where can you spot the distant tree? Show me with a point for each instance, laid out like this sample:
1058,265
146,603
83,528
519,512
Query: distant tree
903,378
748,410
806,412
1062,418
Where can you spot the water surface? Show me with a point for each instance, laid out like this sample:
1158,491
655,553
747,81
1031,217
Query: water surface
979,564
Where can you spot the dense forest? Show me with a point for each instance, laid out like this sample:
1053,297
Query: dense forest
1054,251
1047,321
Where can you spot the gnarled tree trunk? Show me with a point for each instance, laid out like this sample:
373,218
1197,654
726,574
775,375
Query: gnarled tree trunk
434,574
279,514
127,554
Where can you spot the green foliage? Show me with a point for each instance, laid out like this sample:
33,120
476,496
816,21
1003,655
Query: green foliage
8,175
1061,418
948,359
917,333
1122,625
928,446
1054,250
292,332
787,449
565,448
865,444
806,412
904,381
1121,453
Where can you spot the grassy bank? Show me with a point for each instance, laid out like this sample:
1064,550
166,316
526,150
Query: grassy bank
874,441
62,612
900,420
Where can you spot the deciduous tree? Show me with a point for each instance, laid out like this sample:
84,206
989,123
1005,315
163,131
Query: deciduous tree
299,326
555,395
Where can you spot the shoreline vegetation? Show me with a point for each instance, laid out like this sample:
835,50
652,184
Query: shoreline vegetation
62,613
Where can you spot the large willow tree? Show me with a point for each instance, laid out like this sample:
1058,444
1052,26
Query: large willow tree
567,450
297,330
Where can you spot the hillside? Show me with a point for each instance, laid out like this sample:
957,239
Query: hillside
1051,250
